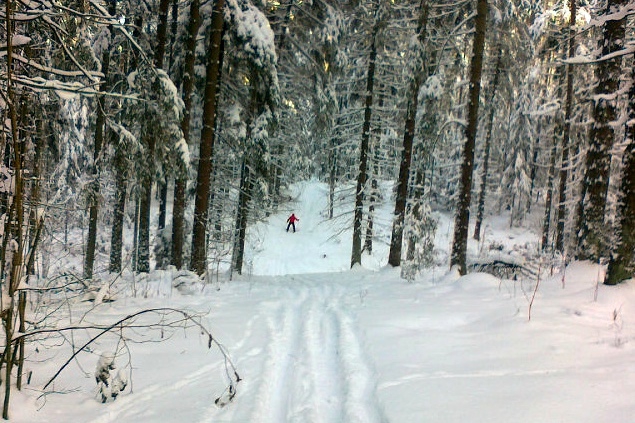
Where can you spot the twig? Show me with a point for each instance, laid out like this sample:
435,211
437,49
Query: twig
531,303
230,367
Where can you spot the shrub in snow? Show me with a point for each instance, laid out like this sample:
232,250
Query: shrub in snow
187,282
420,232
110,384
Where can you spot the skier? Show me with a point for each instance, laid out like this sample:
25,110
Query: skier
292,219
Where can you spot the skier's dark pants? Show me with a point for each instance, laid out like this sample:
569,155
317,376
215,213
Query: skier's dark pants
289,225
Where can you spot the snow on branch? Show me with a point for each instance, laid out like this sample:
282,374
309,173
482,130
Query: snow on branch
56,71
627,10
586,60
16,41
63,89
112,20
252,28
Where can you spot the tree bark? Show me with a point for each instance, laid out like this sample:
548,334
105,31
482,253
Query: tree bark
622,261
480,210
332,175
145,199
145,202
415,203
368,242
396,239
566,135
544,244
180,184
116,235
591,243
100,129
241,217
356,254
18,217
198,262
462,219
159,59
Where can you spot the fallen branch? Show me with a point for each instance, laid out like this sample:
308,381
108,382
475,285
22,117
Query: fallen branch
125,323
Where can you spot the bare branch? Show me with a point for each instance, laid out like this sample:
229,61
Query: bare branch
186,317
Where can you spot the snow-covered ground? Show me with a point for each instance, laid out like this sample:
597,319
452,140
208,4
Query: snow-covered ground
315,342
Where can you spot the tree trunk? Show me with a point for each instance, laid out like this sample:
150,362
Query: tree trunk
480,210
145,202
374,191
174,27
241,217
396,239
180,184
159,58
145,199
163,202
35,190
89,260
591,229
415,203
544,244
622,262
18,217
100,129
356,254
218,212
368,242
534,166
198,262
566,135
462,219
135,236
116,236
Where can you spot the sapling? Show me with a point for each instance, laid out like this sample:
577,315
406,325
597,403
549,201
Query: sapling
109,382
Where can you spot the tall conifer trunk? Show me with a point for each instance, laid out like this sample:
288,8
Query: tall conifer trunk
241,217
544,243
591,230
462,219
356,254
180,184
480,209
198,262
622,262
374,192
415,202
100,129
368,242
145,199
16,219
116,236
396,239
566,135
159,59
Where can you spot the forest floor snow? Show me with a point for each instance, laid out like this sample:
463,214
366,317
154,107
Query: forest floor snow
314,342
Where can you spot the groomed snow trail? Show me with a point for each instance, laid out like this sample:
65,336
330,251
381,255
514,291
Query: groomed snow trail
314,368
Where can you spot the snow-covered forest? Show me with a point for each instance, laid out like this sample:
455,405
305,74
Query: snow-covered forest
152,150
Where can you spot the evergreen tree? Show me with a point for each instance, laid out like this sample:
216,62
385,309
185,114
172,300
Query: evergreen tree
459,244
591,242
198,262
622,261
396,241
356,254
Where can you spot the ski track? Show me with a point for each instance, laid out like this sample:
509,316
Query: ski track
314,369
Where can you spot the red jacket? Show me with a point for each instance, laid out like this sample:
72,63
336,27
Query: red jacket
292,218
